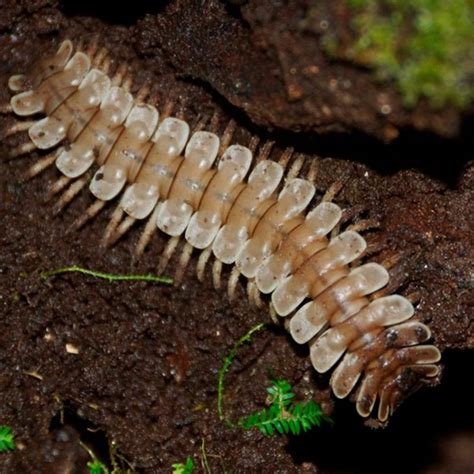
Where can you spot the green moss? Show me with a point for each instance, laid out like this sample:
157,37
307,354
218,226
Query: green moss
425,46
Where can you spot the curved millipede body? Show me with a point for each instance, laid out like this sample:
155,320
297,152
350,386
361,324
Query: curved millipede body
246,211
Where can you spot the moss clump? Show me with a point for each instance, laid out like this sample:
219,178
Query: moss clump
425,46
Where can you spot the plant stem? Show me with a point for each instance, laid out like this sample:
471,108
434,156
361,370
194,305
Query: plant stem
108,276
225,367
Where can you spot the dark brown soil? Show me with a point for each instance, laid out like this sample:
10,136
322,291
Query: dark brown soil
145,375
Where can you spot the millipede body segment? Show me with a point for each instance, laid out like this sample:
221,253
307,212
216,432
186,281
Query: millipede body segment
245,211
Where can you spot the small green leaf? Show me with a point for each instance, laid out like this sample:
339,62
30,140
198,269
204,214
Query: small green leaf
306,424
7,442
271,390
293,426
297,410
269,429
180,468
96,467
297,429
278,426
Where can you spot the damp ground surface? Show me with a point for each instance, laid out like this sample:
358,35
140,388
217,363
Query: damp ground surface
143,366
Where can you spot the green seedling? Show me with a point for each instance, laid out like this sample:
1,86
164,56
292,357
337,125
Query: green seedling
283,416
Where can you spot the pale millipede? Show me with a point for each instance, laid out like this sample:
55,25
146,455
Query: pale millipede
236,210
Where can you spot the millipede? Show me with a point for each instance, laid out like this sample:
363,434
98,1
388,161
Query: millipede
256,216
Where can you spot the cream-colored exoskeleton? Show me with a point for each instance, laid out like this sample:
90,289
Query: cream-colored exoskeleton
250,212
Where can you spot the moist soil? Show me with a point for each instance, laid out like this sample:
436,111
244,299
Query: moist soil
136,363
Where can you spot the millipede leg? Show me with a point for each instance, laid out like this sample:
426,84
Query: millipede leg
201,123
335,231
264,151
202,262
295,168
127,82
414,298
80,46
391,261
167,110
250,294
286,323
17,128
5,108
253,144
398,276
42,164
333,190
183,262
388,290
150,229
256,296
253,294
99,57
313,171
92,47
217,273
22,150
70,194
122,229
180,110
364,224
351,213
112,225
227,136
105,66
285,157
329,196
274,316
167,253
91,212
214,123
119,75
59,185
142,94
232,284
374,247
360,226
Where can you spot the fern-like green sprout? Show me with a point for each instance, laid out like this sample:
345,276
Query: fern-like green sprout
226,365
186,468
283,416
108,276
7,442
